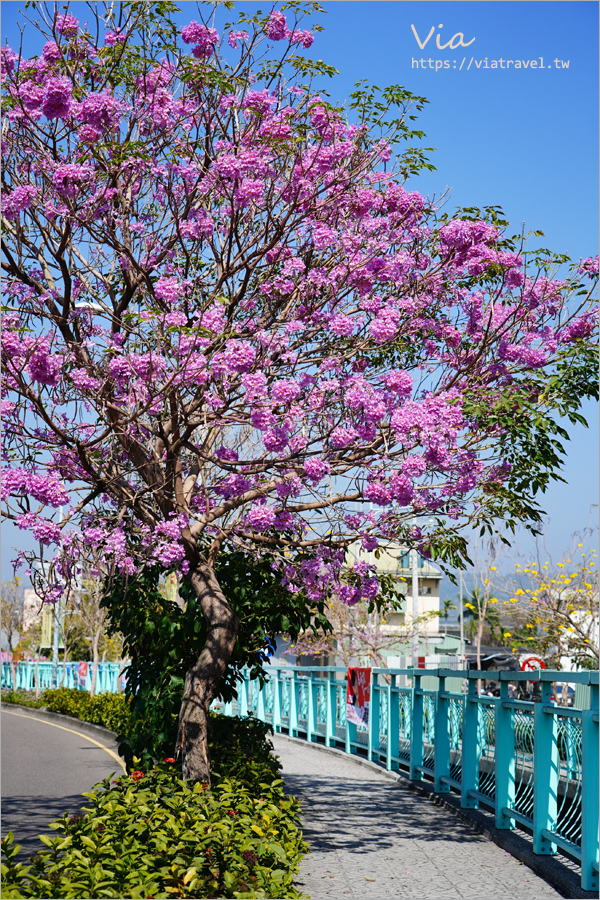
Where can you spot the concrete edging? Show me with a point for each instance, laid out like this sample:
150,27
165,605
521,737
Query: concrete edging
551,869
85,727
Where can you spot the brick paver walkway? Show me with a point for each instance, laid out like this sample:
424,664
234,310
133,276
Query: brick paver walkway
372,839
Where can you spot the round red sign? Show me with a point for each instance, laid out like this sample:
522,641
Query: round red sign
532,663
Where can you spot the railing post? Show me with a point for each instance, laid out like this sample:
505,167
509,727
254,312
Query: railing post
243,695
351,729
441,747
374,719
472,743
294,704
393,725
277,701
590,787
416,729
331,707
260,705
546,771
312,704
505,759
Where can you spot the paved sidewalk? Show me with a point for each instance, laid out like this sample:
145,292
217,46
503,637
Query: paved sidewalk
372,839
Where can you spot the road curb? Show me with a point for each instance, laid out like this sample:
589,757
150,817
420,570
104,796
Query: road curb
556,873
79,724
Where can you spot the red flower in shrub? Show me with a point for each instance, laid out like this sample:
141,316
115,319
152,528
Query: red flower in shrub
169,759
137,775
231,812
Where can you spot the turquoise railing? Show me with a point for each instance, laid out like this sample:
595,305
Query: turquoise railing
67,676
532,764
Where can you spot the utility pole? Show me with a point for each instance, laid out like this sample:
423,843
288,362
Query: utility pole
55,644
56,635
462,620
415,608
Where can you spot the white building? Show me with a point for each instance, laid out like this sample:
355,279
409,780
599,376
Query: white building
395,560
32,608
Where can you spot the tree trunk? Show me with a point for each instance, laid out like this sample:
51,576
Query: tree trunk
35,676
201,681
13,672
96,658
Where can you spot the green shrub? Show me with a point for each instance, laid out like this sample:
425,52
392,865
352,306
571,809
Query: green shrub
109,710
153,835
22,697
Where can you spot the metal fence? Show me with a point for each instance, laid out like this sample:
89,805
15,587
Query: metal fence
532,763
67,676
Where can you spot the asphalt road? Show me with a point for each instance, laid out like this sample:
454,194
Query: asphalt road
45,769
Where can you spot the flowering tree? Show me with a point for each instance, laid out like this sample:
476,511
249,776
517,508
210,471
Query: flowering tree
229,323
560,606
11,599
357,633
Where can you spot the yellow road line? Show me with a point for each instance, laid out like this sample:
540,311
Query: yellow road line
72,730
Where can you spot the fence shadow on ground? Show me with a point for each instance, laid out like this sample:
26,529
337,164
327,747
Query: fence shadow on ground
370,809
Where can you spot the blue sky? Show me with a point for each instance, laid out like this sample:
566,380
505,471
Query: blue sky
525,139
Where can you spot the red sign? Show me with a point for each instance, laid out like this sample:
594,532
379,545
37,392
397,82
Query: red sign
83,671
358,695
420,662
532,663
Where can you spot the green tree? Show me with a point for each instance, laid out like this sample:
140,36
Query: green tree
11,598
162,638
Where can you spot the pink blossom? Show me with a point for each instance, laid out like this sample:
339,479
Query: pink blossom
198,225
306,38
276,27
261,517
235,36
169,289
262,419
204,38
68,179
214,319
51,53
315,468
255,385
413,466
44,366
233,486
18,199
285,391
377,492
67,25
342,437
250,191
56,103
401,488
100,111
385,326
343,325
113,38
399,382
276,439
589,266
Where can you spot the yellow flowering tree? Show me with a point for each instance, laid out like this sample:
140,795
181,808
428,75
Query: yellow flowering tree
560,607
480,605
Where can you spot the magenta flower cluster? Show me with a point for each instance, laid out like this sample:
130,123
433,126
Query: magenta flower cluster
253,333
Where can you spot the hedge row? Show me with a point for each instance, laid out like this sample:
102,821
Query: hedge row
150,834
109,710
